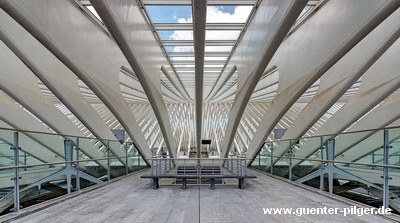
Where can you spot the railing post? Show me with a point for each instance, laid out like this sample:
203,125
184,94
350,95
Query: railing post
373,159
245,167
16,175
126,159
259,160
138,157
242,167
290,162
158,166
108,162
330,148
25,160
78,179
212,164
271,166
321,175
152,167
385,169
237,166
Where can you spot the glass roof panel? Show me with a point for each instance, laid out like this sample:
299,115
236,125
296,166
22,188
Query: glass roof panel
179,48
218,48
210,65
228,14
184,65
175,35
93,11
222,35
169,13
215,58
182,58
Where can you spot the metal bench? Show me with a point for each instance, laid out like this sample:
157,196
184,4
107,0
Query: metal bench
212,178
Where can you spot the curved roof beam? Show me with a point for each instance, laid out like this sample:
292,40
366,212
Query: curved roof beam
382,116
121,30
375,91
19,119
74,102
179,89
277,23
353,66
199,34
216,91
93,75
291,88
18,82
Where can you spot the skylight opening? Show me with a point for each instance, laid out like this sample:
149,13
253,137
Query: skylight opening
218,48
179,48
186,72
306,8
182,58
169,13
175,35
184,65
215,58
228,14
93,11
213,66
222,35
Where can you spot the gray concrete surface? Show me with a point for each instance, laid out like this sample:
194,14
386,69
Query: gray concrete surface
133,200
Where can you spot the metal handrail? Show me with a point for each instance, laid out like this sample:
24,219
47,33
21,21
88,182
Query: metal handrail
64,162
333,161
199,158
333,134
295,158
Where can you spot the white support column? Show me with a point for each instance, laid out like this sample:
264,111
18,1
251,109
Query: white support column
280,25
115,23
179,88
287,97
114,102
199,34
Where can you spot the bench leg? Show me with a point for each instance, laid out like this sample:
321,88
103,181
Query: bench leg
241,183
156,185
184,183
212,182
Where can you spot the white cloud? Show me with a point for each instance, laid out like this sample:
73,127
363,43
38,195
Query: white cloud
183,49
214,15
222,35
184,20
240,15
182,35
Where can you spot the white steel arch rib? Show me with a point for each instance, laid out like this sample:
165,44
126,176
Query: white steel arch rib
297,77
97,74
67,90
330,70
128,42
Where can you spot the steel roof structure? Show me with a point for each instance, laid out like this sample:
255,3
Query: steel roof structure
85,68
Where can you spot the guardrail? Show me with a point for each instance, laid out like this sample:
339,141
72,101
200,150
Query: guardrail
237,166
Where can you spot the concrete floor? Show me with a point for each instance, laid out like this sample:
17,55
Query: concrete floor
132,200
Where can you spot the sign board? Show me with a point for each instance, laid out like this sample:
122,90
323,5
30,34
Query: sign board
119,134
206,141
279,133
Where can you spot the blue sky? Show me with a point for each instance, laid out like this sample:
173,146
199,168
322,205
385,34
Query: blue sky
168,14
171,14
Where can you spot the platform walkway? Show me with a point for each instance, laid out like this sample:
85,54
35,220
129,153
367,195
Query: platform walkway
133,200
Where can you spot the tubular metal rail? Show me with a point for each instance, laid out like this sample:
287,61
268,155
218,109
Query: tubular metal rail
200,169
